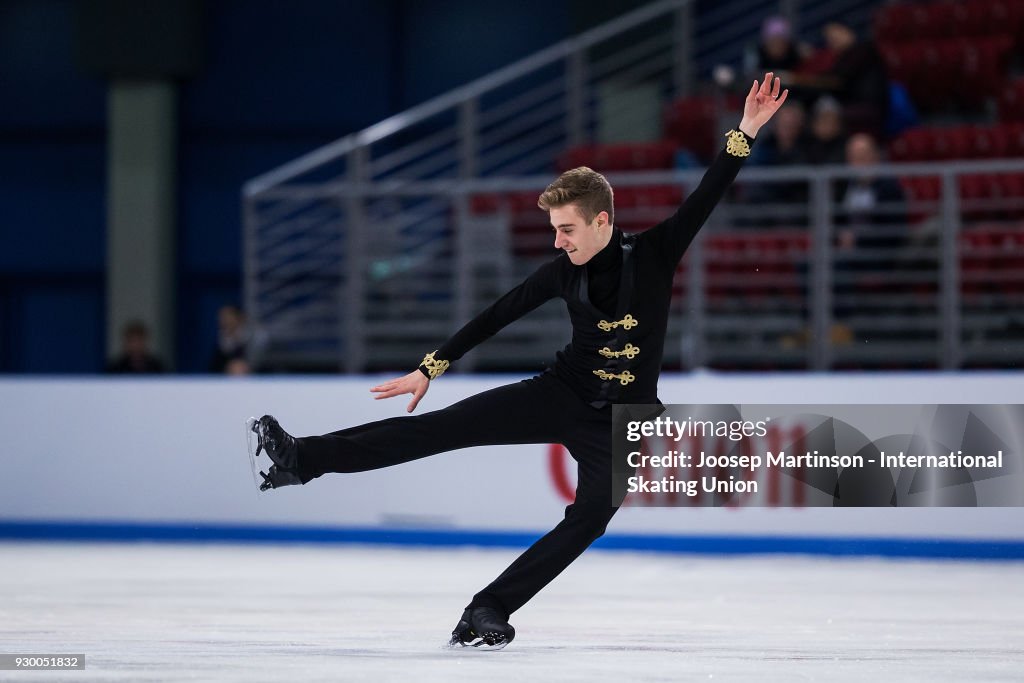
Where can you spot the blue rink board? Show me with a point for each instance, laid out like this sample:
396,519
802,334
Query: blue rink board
832,546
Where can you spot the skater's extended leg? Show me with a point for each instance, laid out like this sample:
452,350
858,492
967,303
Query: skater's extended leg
525,412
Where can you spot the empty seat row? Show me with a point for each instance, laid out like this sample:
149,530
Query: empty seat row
992,261
983,196
959,142
1011,101
977,67
620,157
902,21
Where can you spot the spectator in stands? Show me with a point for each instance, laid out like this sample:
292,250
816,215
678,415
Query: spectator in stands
238,345
785,145
868,200
827,142
135,356
857,78
776,51
871,237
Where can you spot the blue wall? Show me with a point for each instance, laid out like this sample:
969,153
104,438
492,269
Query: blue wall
279,80
52,170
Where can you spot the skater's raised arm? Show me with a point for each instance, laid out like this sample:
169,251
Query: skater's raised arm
675,234
541,286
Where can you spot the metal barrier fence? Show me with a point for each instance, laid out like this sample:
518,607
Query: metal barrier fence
935,279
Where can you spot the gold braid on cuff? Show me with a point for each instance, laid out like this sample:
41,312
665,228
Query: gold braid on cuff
435,368
737,144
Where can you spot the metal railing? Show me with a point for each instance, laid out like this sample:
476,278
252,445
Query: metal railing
768,283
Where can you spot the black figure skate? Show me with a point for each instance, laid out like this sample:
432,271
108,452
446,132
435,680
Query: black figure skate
482,627
279,445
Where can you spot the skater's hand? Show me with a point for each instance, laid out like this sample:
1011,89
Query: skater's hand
762,102
415,383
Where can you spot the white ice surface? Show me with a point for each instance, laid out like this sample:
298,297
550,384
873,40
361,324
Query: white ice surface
300,613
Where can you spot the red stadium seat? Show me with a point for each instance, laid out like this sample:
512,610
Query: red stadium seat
912,145
989,142
975,190
692,123
951,143
754,268
989,18
523,201
959,142
1014,135
922,190
656,196
975,246
514,202
982,69
484,203
1011,189
977,63
894,23
1011,101
620,157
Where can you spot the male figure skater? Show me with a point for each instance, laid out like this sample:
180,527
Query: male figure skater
617,288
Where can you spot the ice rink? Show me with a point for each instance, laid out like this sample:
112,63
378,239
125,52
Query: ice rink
166,612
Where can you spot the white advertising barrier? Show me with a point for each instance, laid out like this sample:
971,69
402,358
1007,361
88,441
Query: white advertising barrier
173,451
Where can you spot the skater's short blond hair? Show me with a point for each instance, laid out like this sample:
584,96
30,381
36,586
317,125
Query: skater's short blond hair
584,187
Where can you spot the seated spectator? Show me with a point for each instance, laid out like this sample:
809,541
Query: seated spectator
135,356
857,78
871,214
827,141
784,145
869,201
776,51
872,233
237,344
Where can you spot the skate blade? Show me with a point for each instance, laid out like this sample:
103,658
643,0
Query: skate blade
478,643
253,446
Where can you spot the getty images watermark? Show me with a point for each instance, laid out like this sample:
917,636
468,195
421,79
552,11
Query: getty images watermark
814,455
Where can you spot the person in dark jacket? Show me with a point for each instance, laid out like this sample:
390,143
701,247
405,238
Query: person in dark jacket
135,357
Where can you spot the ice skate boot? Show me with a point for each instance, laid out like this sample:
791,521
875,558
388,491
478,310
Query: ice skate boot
278,478
482,627
267,436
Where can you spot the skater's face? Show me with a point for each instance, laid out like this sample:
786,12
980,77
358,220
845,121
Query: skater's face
577,237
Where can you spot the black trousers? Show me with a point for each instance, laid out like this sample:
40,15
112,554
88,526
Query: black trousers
538,410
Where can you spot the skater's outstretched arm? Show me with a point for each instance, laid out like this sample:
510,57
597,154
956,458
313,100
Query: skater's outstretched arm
675,234
541,286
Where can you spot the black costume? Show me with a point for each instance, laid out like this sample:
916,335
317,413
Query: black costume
618,303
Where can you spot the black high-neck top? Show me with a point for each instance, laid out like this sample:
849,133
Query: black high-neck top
618,323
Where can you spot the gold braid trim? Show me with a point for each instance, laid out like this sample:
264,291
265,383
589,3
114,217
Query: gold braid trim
623,377
628,323
737,144
435,368
629,352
